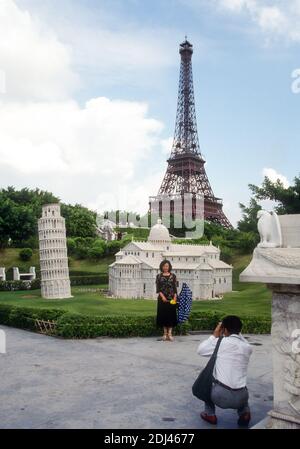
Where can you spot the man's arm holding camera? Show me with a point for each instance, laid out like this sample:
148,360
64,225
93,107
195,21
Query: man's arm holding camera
206,348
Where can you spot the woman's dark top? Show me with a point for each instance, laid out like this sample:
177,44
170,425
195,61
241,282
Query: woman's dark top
166,312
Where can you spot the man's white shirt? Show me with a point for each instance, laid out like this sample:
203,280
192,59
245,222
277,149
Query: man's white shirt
232,359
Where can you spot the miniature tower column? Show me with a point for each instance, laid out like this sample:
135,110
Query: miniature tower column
55,281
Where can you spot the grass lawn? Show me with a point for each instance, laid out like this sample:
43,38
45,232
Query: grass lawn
246,299
253,300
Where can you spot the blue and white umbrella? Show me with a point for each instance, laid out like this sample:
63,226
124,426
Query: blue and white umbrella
185,303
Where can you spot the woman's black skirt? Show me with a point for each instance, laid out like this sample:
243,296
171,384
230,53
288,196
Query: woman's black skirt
166,314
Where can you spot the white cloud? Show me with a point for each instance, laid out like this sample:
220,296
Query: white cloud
275,18
108,45
274,176
102,137
47,140
35,63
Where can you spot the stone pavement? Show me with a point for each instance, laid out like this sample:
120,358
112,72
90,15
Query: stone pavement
115,383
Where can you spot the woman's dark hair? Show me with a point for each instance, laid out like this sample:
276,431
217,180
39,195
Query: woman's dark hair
233,324
163,263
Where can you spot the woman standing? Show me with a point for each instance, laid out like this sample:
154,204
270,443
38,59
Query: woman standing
166,287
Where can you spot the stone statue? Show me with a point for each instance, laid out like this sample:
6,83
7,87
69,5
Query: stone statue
269,229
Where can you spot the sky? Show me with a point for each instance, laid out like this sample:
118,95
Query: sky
88,95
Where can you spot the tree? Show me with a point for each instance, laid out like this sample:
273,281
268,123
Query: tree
21,209
80,221
19,212
288,198
16,222
248,223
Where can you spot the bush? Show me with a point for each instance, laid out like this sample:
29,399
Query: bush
71,245
89,280
226,254
97,251
25,254
70,325
79,326
12,286
199,321
25,317
113,247
31,242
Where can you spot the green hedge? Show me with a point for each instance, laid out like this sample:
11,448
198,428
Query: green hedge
19,285
79,326
251,324
36,284
70,325
89,280
24,317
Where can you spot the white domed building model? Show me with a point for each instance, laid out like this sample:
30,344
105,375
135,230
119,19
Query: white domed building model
133,273
55,281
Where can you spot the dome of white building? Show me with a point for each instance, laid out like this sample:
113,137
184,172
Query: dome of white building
159,233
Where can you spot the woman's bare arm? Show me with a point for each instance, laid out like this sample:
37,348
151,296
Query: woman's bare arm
163,297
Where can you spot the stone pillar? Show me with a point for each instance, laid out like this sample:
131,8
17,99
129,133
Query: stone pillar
279,268
16,274
286,356
2,274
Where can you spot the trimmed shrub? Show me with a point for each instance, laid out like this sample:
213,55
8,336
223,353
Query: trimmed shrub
80,326
89,280
25,254
199,321
70,325
12,286
24,317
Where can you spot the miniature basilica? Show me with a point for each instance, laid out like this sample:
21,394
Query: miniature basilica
133,273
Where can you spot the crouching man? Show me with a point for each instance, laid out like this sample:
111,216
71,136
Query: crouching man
229,388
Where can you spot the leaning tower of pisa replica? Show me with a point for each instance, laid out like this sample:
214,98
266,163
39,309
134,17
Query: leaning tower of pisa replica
55,281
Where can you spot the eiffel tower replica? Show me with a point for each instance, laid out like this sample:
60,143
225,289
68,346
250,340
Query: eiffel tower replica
186,172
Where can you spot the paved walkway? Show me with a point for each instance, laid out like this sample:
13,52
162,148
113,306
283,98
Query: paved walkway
114,383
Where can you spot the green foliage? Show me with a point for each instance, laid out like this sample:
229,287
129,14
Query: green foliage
78,326
71,245
25,318
112,247
92,248
26,254
96,252
21,209
247,241
13,286
89,280
137,233
70,325
288,198
226,254
208,321
80,221
248,223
